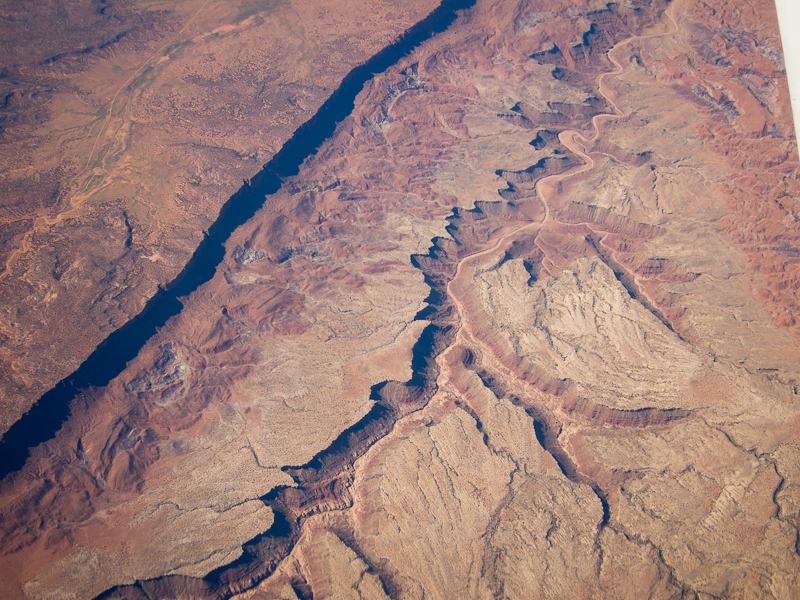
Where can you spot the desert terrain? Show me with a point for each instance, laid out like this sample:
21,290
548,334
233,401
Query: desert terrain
124,129
525,326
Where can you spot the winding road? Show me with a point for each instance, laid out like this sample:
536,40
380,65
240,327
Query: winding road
575,142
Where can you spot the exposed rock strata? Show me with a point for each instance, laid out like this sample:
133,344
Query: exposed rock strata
450,379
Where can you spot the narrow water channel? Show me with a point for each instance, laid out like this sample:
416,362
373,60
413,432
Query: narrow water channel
46,417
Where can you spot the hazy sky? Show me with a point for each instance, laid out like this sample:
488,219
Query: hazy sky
789,18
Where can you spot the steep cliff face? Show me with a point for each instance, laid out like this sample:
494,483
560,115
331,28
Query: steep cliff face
124,128
521,328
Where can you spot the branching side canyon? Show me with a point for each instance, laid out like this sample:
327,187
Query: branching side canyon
514,315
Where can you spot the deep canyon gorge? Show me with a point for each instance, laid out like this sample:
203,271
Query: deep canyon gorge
520,322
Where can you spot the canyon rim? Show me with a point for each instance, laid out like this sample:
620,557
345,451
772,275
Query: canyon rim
521,323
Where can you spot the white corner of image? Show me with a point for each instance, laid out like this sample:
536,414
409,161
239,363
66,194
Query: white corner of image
789,22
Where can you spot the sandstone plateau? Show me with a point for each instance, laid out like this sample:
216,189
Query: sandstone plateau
124,128
525,326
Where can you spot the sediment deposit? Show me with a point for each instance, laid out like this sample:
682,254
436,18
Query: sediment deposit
524,327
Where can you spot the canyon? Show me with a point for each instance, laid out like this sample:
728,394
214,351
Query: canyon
124,129
524,326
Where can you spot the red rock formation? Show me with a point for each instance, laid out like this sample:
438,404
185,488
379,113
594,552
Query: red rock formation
491,341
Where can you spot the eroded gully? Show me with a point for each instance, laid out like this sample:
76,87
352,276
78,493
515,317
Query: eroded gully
333,469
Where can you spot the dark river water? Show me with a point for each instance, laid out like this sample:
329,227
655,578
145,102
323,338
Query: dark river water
109,359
